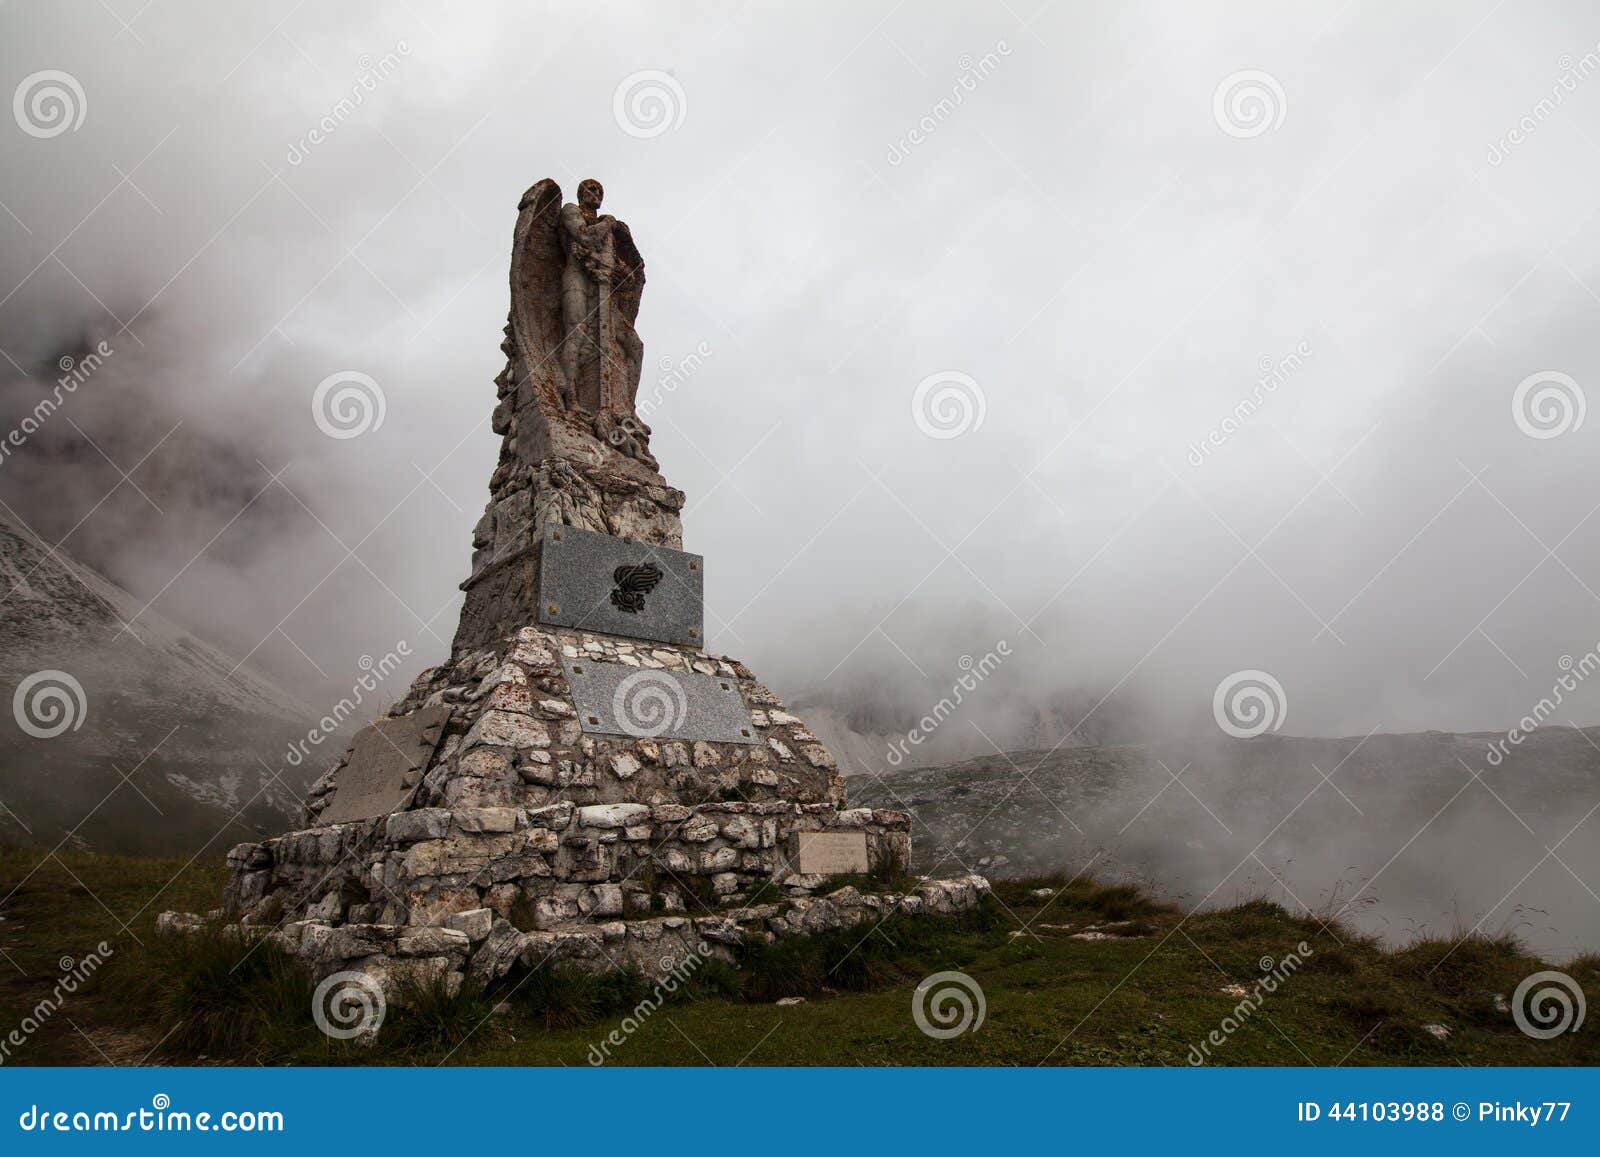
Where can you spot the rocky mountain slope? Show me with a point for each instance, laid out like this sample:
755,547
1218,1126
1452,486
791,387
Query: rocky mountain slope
166,748
1407,834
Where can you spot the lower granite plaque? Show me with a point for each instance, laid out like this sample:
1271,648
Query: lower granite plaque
832,853
647,703
385,766
597,582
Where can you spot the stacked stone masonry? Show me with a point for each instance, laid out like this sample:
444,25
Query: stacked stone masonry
526,836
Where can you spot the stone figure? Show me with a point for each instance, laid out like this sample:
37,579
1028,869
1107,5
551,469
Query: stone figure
576,283
573,452
585,292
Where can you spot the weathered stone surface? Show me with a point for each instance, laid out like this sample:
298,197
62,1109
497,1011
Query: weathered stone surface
507,729
475,924
486,819
421,824
529,834
614,815
500,950
431,942
385,765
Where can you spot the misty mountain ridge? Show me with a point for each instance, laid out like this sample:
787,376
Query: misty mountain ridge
169,745
1407,834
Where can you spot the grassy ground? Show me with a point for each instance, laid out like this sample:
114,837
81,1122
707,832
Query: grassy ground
1151,993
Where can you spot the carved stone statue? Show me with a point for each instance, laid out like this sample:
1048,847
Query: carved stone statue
576,282
574,452
586,297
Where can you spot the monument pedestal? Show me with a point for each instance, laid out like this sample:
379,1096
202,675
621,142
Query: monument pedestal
582,781
539,818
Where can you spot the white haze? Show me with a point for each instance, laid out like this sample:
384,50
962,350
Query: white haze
1079,236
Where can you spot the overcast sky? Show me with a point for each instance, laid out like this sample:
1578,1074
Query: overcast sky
1100,240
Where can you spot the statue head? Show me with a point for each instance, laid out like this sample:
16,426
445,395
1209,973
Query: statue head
590,194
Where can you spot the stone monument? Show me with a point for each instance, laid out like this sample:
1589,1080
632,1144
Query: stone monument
582,781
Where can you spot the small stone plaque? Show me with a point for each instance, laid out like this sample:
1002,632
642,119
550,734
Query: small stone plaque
646,703
832,853
597,582
385,766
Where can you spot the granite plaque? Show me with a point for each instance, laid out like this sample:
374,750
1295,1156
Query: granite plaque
645,703
832,853
596,582
385,766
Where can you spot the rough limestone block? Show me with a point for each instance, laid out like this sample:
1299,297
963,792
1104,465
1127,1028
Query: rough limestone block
422,824
431,942
474,924
601,900
698,830
507,729
556,817
613,815
486,819
499,952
